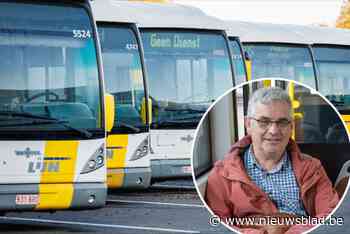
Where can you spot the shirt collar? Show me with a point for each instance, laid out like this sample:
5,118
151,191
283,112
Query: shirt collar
253,162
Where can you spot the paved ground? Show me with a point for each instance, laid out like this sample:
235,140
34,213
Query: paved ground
166,208
159,210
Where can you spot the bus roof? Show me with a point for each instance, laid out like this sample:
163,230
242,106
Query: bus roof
265,32
155,15
288,33
325,35
106,11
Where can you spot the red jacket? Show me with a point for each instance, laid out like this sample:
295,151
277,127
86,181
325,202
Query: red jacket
231,193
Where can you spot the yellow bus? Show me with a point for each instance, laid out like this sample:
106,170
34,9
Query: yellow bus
52,113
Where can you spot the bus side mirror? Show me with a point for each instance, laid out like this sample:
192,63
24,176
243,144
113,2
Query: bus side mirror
247,56
110,111
295,105
248,65
144,112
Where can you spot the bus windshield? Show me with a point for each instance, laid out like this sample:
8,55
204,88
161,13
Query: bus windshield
334,75
281,61
238,62
187,71
48,67
123,76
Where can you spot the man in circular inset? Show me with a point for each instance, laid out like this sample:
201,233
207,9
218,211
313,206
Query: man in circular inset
265,175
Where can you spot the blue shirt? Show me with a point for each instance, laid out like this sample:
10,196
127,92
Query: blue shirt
279,184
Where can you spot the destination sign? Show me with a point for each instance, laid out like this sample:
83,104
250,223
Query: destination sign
174,41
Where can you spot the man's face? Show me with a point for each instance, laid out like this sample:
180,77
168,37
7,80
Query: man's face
270,128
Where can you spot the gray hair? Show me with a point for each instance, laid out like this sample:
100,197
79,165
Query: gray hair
266,96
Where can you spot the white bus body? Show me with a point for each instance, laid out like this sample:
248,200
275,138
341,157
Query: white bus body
128,158
188,66
52,130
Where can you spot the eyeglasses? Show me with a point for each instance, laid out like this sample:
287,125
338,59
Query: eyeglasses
267,123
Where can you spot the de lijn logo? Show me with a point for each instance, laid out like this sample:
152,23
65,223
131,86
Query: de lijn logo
27,152
38,162
187,138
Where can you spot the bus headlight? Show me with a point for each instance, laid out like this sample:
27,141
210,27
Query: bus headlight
92,164
95,161
145,149
141,150
100,160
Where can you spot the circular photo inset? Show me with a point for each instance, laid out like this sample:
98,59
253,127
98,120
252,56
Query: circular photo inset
271,156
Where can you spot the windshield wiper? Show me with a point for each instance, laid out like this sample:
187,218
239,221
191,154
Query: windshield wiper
177,122
125,125
189,110
83,132
337,103
24,114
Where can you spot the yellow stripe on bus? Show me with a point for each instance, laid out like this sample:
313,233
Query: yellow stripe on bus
57,175
118,144
267,83
248,65
114,179
346,119
55,196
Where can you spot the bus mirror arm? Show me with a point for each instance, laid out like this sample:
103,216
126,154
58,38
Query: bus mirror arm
246,56
248,65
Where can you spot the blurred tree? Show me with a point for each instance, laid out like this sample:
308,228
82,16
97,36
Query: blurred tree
343,20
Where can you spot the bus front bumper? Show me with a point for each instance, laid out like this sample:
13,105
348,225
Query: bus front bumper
129,178
166,169
22,197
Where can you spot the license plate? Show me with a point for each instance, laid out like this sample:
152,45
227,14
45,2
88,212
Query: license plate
27,199
187,169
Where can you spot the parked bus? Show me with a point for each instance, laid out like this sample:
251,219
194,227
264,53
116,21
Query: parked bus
188,65
331,52
276,51
128,157
325,61
53,123
320,62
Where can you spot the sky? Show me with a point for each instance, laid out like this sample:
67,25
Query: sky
302,12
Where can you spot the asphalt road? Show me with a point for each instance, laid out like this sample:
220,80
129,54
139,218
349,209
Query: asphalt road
170,207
